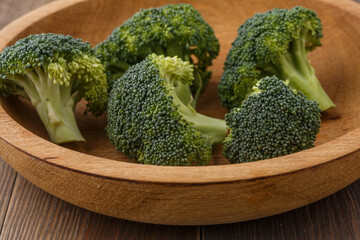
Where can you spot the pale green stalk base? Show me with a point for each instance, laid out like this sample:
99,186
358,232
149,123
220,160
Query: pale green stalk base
54,104
177,78
295,66
213,128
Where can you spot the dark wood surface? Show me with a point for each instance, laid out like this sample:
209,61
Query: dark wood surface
27,212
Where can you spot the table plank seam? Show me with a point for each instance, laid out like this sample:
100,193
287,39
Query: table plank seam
257,229
8,203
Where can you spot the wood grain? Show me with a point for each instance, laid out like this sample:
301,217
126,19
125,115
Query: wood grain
132,191
103,227
35,214
336,217
10,10
333,218
7,178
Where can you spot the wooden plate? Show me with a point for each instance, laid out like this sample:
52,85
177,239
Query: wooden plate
96,177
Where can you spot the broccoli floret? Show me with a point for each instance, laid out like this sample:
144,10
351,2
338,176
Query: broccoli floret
274,43
274,121
54,72
171,30
149,122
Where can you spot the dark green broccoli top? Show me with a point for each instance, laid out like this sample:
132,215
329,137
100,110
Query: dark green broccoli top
40,49
171,30
273,43
144,122
274,121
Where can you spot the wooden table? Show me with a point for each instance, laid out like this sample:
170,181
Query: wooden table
27,212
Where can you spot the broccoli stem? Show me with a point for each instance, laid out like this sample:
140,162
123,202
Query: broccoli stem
184,92
199,83
174,49
213,128
158,50
307,82
118,66
19,91
295,66
54,104
59,121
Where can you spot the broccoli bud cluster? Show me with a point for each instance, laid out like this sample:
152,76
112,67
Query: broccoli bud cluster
149,74
274,43
171,30
144,120
273,121
55,72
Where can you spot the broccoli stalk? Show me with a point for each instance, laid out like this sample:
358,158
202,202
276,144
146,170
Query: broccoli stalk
179,77
150,117
175,49
295,65
214,129
54,80
54,104
274,43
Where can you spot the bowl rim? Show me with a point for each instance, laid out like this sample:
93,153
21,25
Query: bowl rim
15,135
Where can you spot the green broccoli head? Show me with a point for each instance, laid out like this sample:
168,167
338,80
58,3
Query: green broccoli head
274,43
171,30
54,72
149,121
274,121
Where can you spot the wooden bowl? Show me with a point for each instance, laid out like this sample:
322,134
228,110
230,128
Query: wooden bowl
97,177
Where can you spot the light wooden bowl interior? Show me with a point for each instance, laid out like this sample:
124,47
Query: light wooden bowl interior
95,176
